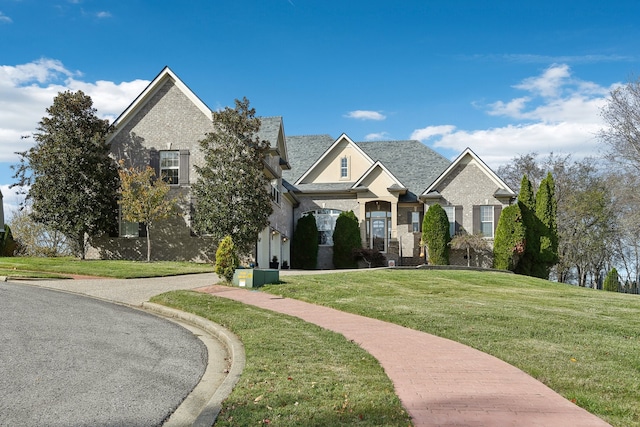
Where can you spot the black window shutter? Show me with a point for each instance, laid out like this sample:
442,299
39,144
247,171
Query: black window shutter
410,226
476,220
154,161
458,219
183,174
142,229
496,216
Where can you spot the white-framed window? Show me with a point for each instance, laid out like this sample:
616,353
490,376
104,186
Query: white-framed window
451,215
326,223
415,222
486,221
344,167
275,190
129,229
170,166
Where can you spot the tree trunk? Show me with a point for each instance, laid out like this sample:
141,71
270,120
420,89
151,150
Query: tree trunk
148,244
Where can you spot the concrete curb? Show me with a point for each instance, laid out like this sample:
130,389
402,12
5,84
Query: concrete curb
202,405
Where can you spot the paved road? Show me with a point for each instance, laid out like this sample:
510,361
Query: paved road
70,360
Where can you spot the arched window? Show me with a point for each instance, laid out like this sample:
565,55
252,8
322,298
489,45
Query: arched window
326,223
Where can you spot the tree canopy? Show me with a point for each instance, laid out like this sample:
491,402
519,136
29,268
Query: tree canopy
73,181
143,199
231,192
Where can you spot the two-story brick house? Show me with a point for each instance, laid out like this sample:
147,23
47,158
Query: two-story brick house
388,185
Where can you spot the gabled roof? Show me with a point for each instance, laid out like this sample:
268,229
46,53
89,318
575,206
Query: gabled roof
502,188
272,130
166,75
396,186
328,152
302,152
414,164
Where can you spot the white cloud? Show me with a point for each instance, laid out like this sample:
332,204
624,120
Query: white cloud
365,115
11,200
4,19
27,90
103,14
559,114
431,131
379,136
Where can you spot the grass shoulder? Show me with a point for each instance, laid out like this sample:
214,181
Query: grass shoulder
296,373
62,267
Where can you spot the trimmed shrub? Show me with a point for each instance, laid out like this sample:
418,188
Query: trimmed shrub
509,243
372,257
8,246
611,282
435,233
226,259
346,238
304,244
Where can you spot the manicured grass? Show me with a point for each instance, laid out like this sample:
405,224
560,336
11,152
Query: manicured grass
296,373
65,266
583,343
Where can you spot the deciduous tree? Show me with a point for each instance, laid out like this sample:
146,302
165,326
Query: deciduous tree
144,199
231,192
73,181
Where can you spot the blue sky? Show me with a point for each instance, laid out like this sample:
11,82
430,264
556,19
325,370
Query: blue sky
501,77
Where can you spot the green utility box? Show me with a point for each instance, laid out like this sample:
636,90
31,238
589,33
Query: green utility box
255,277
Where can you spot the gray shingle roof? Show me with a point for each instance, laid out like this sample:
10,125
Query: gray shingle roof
303,151
269,129
412,162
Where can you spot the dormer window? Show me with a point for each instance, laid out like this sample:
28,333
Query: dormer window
344,167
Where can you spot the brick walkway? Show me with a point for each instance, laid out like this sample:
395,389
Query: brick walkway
440,382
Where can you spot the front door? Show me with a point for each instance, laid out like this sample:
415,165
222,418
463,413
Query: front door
378,227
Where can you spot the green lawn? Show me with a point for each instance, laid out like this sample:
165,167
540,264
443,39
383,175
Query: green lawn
583,343
296,374
66,266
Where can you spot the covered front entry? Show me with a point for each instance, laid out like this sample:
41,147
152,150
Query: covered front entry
378,225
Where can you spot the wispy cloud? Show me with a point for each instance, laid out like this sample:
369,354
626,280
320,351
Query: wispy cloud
365,115
559,113
380,136
4,19
103,15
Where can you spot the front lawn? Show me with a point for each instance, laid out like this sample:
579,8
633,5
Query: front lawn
583,343
68,266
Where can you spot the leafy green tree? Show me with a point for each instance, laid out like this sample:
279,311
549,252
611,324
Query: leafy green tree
546,213
346,239
305,244
226,259
231,193
611,282
435,233
143,198
509,243
73,181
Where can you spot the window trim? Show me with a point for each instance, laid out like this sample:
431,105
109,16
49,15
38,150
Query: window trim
344,167
173,167
484,211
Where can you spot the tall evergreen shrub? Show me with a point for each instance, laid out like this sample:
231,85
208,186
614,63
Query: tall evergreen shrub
611,282
509,243
346,239
435,233
304,244
226,259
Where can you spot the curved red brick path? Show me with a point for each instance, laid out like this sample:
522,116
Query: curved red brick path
440,382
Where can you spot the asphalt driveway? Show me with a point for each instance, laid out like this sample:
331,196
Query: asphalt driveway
69,360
